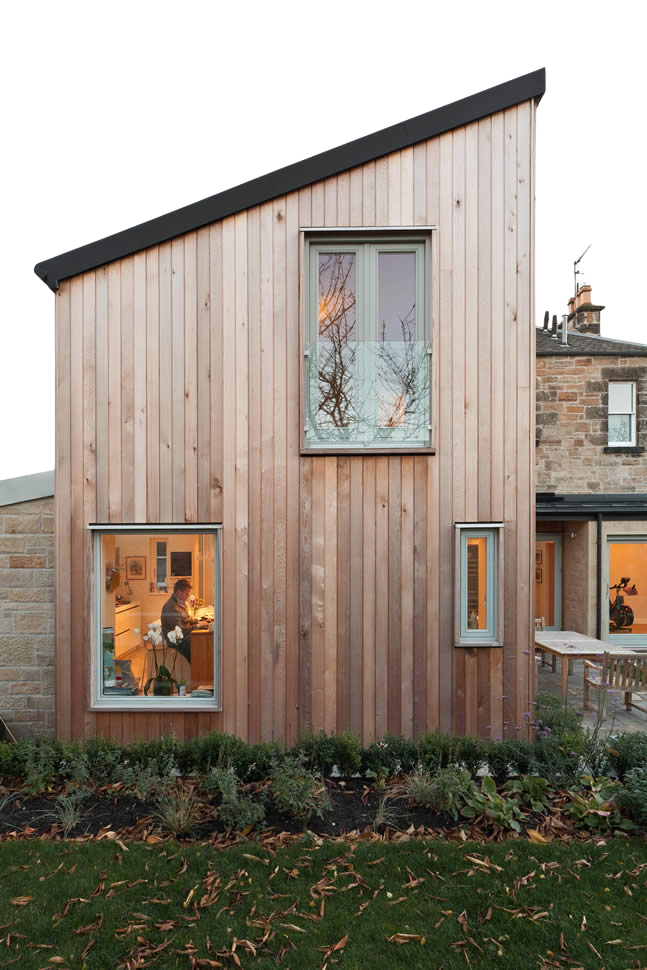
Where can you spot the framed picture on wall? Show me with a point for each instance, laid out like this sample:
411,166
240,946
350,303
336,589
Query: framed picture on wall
539,557
135,567
539,575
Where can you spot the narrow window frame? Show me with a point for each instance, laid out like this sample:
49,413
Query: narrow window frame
97,701
492,635
631,414
367,242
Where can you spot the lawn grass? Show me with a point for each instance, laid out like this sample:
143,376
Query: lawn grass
529,906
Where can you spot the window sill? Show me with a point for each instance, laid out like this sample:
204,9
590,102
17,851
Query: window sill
366,452
478,643
623,450
146,705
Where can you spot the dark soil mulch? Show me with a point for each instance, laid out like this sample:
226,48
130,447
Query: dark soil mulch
354,807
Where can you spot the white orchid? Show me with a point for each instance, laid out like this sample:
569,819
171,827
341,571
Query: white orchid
171,636
178,633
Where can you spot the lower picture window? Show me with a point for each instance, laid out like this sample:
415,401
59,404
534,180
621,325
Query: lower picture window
156,603
478,561
628,590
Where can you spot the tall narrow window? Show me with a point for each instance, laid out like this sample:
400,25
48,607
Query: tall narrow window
478,584
622,413
367,353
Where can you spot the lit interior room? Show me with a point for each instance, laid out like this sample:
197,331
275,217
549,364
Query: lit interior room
157,614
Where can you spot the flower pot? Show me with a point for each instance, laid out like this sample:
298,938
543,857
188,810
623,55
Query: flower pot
162,688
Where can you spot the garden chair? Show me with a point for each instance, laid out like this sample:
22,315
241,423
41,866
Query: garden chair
626,673
540,624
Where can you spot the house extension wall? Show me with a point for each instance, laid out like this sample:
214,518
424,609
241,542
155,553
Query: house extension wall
572,425
178,401
27,616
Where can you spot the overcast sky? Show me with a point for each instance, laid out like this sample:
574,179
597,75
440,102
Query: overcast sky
591,188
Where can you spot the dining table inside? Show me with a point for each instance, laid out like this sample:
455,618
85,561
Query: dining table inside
568,645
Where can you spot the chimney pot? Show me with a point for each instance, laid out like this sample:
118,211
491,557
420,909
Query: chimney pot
583,295
571,305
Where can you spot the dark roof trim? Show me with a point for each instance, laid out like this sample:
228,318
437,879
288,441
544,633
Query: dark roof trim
291,178
551,505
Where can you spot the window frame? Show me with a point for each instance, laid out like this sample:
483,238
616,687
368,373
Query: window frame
366,242
632,641
141,703
632,415
492,636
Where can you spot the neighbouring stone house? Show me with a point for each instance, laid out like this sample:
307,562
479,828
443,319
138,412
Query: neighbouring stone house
27,604
591,476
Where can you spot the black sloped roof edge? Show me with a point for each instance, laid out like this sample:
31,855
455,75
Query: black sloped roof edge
561,506
292,177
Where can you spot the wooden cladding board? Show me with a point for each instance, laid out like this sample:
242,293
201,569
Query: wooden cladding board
178,375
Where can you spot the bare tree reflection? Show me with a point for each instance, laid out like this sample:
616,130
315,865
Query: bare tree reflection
363,390
337,349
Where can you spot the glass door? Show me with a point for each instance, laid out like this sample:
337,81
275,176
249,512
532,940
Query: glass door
625,608
548,580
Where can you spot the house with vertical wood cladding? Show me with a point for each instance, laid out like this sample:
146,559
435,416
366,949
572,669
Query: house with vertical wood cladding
295,473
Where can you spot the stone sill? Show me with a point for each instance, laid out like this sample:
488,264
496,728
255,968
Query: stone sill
613,450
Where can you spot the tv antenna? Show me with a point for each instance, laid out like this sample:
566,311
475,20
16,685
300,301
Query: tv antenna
576,271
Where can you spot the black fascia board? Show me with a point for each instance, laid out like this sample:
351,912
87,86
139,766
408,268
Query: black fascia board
291,178
630,505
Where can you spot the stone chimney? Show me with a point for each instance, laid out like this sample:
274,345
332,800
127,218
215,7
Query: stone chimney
583,314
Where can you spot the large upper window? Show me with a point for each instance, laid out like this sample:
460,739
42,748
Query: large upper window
156,609
622,413
367,352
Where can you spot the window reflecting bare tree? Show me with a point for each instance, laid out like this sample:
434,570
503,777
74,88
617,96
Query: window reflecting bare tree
337,336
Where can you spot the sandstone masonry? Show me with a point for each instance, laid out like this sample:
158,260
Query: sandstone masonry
27,616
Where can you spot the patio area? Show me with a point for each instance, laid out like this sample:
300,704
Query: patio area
617,717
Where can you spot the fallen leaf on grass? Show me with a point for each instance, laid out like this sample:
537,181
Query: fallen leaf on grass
21,900
536,836
593,950
405,938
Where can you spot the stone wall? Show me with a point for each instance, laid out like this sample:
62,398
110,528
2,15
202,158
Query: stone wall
572,420
27,616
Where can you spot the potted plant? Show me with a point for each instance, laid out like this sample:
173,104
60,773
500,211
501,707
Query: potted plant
163,680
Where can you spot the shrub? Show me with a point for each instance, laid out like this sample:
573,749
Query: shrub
627,751
68,811
235,807
504,812
158,756
438,750
444,791
214,749
263,756
143,781
393,755
103,756
631,794
40,764
509,757
348,753
317,751
297,791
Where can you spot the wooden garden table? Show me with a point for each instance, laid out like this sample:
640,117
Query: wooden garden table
568,645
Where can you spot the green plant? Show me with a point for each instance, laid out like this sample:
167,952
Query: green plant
235,807
318,751
385,815
530,790
103,756
553,714
39,767
627,750
217,748
631,794
503,811
297,791
68,811
348,753
144,781
508,757
178,811
392,755
445,791
593,806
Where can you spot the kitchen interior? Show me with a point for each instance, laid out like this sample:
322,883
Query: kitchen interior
140,571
